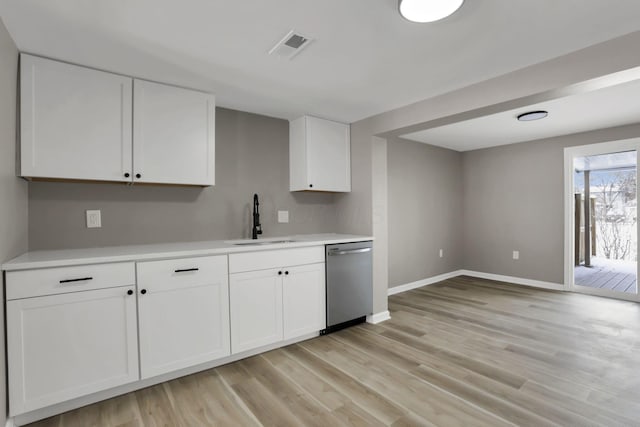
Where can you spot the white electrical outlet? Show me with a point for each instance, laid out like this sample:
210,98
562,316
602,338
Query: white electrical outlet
441,253
283,217
516,254
94,219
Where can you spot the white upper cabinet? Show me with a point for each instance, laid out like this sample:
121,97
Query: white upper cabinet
319,155
83,124
174,135
75,122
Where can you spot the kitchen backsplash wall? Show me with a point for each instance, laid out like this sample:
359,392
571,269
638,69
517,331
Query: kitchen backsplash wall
252,156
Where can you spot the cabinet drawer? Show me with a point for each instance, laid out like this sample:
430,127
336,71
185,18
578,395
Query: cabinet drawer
50,281
182,272
274,259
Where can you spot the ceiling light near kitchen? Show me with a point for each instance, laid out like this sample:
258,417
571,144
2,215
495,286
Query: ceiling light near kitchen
428,10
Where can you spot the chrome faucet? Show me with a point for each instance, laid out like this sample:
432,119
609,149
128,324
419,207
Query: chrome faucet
257,228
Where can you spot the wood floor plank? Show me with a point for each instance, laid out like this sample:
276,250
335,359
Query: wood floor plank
454,384
378,406
307,409
591,412
263,404
204,400
156,409
464,351
488,392
321,390
404,389
353,415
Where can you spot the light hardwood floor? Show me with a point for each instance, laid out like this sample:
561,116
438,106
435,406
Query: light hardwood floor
463,352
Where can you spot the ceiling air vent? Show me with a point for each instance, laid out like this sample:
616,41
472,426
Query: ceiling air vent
291,45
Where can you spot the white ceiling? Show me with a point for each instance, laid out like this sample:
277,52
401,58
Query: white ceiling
614,106
365,58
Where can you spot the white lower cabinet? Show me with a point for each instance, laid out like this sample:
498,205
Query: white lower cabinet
303,300
256,309
64,346
277,304
77,330
183,307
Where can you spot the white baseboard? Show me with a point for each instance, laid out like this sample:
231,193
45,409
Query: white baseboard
379,317
423,282
479,275
512,279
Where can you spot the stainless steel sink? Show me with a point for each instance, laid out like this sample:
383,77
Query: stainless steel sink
259,242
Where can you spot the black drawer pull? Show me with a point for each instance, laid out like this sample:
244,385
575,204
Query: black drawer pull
82,279
184,270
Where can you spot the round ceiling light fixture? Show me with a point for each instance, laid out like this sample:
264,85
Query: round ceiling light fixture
427,10
532,115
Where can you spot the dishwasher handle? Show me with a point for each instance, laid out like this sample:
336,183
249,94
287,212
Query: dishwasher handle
349,251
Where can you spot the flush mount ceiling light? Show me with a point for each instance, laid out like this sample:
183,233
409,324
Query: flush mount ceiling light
427,10
533,115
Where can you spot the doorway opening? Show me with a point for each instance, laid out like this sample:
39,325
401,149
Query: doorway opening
603,208
605,227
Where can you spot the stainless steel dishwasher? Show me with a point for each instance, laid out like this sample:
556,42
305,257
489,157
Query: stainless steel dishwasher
349,284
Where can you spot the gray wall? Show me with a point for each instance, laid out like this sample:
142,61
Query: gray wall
513,200
251,157
425,211
13,191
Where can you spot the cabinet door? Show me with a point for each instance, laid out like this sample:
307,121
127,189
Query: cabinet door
328,155
64,346
75,122
256,309
174,135
183,313
303,296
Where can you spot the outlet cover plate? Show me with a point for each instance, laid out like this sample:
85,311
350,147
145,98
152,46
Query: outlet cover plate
283,217
516,254
94,219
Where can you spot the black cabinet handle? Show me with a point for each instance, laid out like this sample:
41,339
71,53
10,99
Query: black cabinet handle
129,292
144,291
127,175
138,176
286,272
310,185
82,279
279,273
184,270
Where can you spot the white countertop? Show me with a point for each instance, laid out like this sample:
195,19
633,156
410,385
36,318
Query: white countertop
66,257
